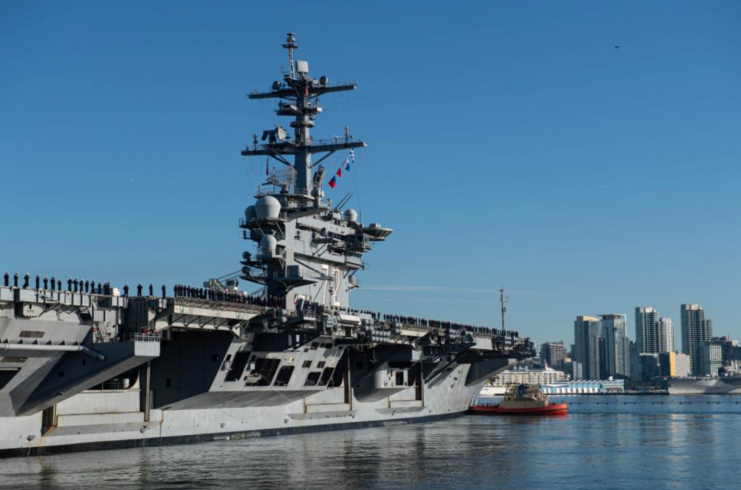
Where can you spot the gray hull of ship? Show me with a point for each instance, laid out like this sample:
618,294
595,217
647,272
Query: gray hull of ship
711,386
110,419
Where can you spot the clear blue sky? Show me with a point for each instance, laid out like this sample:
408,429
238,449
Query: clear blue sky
510,144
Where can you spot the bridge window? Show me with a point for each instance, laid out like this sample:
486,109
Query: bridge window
307,364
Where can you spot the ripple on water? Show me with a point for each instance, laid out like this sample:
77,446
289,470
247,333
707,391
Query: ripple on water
605,442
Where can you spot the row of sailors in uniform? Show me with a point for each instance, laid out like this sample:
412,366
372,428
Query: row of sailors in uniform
54,284
86,286
75,285
411,320
228,296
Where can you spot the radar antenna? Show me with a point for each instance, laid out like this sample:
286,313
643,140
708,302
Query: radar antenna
503,300
290,46
299,98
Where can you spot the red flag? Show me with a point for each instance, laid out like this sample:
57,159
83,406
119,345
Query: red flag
332,183
339,172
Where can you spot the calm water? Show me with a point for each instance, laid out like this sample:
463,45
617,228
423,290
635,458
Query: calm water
612,442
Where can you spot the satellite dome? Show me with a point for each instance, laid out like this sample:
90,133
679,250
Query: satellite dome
267,245
351,215
267,207
250,213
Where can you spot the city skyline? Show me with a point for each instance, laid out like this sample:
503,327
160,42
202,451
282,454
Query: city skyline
668,339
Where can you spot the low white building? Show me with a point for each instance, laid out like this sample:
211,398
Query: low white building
583,387
528,376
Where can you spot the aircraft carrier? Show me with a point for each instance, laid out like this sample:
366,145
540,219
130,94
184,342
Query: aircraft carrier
87,365
730,385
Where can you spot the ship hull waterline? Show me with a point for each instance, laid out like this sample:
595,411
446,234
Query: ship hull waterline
79,431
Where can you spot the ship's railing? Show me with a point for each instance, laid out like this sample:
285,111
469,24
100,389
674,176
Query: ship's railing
335,140
142,337
275,190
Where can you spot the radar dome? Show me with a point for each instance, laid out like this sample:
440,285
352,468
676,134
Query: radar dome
267,245
351,215
250,213
267,207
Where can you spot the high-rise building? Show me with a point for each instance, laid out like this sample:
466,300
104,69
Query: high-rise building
696,329
616,358
646,366
710,358
647,330
666,335
683,365
731,349
553,354
586,352
601,348
668,364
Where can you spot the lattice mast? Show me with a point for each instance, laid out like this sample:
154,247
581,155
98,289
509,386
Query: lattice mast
299,94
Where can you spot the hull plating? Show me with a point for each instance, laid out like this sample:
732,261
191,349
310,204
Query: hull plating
108,420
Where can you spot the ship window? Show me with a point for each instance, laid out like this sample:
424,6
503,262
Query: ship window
6,375
312,378
326,376
337,378
237,366
314,345
215,357
307,364
399,378
265,369
320,364
16,360
31,334
284,376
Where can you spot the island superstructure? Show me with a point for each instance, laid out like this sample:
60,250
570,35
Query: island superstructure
85,365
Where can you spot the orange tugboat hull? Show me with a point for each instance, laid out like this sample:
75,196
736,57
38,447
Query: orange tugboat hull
552,409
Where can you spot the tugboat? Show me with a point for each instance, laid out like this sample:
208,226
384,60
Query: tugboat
522,400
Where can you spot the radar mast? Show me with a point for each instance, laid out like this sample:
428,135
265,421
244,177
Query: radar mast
299,98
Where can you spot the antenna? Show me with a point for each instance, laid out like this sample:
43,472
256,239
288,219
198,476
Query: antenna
290,46
343,202
503,300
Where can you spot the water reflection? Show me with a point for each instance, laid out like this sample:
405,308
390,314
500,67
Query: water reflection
605,442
